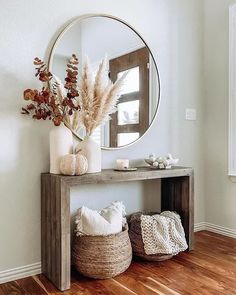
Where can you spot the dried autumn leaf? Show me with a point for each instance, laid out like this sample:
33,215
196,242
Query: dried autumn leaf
29,94
70,112
74,73
45,76
40,99
30,107
38,61
73,60
57,120
24,111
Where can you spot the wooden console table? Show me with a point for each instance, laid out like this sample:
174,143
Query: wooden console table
176,195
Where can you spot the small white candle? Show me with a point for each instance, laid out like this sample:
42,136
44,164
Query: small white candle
122,164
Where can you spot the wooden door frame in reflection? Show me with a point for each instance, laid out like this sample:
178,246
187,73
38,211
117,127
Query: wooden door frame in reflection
138,58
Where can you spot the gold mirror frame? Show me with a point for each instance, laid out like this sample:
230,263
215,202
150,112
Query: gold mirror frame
85,16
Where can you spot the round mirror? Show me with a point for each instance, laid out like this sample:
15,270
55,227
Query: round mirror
96,36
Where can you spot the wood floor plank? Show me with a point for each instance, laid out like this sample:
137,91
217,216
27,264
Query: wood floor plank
210,277
96,287
209,236
215,243
148,280
136,285
223,268
209,270
31,287
207,278
178,281
152,276
91,286
11,288
117,288
43,281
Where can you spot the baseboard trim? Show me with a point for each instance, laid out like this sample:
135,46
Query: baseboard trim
20,272
199,226
215,229
221,230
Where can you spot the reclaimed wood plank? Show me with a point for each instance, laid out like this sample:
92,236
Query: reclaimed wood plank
109,175
177,194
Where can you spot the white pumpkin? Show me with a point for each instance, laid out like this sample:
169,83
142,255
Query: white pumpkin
73,164
81,166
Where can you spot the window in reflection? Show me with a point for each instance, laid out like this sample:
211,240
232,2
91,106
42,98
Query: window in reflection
128,112
131,82
127,138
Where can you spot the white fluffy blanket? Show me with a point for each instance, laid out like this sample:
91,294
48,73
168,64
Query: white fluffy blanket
163,233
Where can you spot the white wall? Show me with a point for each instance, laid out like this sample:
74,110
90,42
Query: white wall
174,32
220,191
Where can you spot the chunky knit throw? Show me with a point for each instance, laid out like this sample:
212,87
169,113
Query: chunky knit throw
163,233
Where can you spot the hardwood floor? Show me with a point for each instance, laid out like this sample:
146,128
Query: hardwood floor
209,269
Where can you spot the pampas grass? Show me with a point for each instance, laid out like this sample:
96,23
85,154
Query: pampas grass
97,97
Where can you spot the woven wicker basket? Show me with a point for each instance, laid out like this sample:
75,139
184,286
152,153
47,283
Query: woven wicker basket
135,234
102,257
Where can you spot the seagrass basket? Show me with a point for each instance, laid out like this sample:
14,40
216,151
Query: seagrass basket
102,257
135,234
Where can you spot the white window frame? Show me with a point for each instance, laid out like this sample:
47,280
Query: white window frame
232,91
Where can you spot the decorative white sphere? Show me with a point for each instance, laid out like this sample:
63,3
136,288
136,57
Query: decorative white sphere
161,166
155,164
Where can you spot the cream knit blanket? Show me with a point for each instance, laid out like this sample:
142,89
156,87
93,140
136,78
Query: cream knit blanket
163,233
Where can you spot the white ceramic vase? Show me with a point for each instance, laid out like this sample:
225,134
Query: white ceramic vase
92,151
61,144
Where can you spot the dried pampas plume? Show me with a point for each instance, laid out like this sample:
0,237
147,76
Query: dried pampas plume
98,97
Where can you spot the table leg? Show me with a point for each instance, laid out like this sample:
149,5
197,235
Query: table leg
177,195
55,232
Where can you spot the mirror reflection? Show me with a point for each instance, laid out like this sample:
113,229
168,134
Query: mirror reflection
100,36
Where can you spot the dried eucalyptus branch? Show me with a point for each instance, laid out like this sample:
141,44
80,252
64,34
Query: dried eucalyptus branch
50,102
